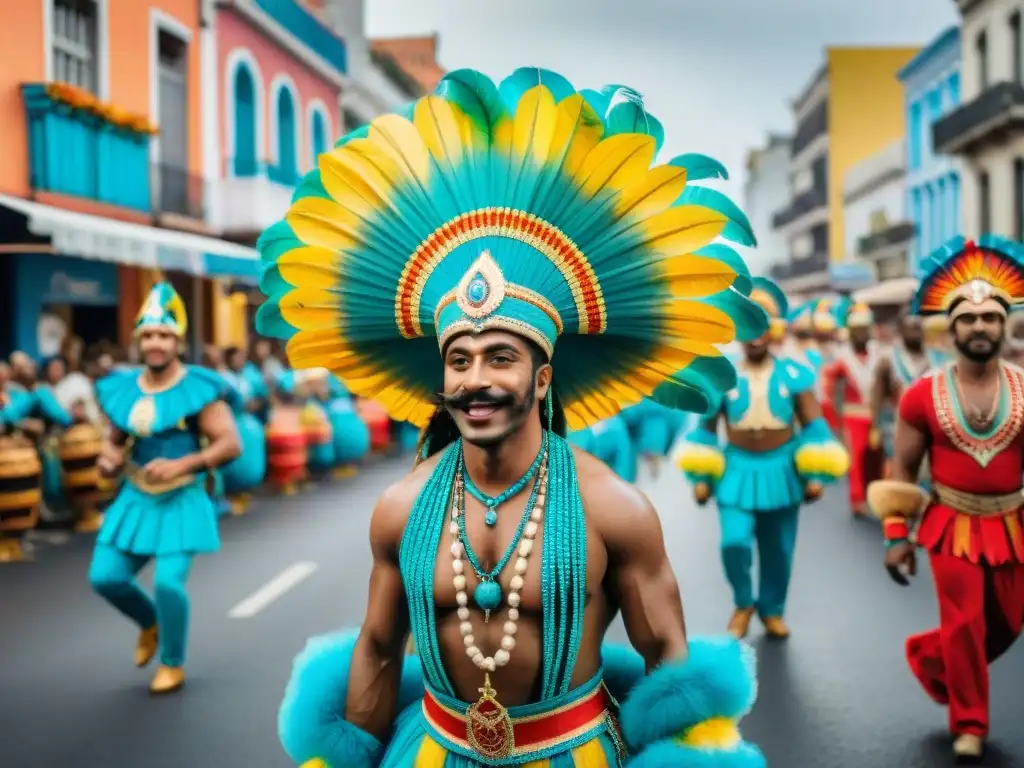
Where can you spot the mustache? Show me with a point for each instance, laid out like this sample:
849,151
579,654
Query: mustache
464,399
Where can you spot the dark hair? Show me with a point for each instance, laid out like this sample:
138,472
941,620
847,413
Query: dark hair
441,431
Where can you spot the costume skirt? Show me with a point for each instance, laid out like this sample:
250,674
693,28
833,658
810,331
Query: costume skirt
760,482
182,521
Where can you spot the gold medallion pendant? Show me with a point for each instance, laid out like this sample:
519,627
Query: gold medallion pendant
488,726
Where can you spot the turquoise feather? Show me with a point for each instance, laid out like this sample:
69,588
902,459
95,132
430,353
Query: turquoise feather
776,293
700,167
722,252
738,228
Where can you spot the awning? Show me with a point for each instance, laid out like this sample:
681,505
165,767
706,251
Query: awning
95,237
899,290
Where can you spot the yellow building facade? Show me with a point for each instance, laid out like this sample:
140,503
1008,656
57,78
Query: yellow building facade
865,115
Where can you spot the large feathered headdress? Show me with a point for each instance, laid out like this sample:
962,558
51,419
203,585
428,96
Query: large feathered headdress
767,295
962,275
527,207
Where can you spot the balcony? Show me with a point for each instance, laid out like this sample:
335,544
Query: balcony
256,196
810,128
992,117
800,267
802,204
307,29
73,151
880,244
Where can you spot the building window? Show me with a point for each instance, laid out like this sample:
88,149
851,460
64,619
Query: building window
984,203
928,222
914,131
1017,51
245,122
953,86
318,137
918,219
939,218
954,194
178,194
981,51
287,171
75,58
934,114
1018,198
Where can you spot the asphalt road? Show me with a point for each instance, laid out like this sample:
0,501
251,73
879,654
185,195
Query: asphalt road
837,694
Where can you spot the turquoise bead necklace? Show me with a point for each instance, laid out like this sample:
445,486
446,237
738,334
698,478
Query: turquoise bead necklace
488,593
493,502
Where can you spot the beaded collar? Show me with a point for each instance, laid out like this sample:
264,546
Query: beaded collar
1007,423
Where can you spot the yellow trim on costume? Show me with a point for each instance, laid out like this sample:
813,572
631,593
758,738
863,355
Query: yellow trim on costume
714,733
701,460
430,754
896,498
589,755
316,762
829,459
511,224
765,300
498,323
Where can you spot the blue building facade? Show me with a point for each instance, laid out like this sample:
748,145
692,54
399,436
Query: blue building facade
931,87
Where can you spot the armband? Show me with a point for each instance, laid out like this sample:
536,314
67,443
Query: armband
896,499
700,458
687,714
819,456
895,529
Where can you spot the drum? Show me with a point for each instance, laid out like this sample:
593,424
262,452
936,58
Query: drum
79,449
286,446
21,490
376,418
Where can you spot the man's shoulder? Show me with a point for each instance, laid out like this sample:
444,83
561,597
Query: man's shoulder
604,493
396,502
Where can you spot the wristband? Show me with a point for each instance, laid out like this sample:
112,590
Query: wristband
890,543
895,528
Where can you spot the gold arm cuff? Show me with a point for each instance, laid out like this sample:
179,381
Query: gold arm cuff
135,476
895,498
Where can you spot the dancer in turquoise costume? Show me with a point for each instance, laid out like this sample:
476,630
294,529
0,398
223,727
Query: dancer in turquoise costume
653,429
609,440
496,264
779,452
244,474
171,425
351,435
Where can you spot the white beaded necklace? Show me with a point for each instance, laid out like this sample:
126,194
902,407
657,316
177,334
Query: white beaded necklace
513,599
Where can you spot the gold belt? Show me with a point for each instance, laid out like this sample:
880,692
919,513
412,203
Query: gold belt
977,504
137,478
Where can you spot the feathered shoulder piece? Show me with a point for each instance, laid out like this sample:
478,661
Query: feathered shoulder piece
527,207
138,411
990,269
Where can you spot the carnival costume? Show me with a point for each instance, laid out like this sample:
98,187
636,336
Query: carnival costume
609,440
530,208
849,379
169,522
971,524
759,494
244,474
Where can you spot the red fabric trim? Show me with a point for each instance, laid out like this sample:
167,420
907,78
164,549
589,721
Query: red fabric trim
527,731
994,540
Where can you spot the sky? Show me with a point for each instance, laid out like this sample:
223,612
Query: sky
719,74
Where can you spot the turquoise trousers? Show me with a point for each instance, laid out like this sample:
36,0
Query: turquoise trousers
774,535
112,575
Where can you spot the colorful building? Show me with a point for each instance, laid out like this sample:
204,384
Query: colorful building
851,109
986,130
931,88
105,178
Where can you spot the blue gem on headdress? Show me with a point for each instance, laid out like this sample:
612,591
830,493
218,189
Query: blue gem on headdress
477,290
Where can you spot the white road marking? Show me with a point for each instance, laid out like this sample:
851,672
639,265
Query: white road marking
287,579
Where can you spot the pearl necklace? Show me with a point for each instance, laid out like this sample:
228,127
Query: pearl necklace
501,657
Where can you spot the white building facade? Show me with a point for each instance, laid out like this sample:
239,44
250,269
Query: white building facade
766,188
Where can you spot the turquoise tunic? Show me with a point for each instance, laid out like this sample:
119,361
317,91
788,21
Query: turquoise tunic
351,435
653,427
181,521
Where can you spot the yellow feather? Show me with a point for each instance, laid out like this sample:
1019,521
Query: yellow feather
324,224
577,131
399,139
713,733
591,754
682,229
441,124
691,276
615,163
702,460
310,267
533,126
655,192
360,177
309,309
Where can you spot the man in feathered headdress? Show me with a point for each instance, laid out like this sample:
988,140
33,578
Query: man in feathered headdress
496,263
171,425
779,453
967,418
848,382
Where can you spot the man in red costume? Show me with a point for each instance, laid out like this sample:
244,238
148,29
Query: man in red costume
848,382
966,418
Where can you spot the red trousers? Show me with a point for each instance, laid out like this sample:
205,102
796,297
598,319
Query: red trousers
857,430
981,610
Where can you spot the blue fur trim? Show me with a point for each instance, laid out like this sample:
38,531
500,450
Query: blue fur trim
622,668
670,754
718,679
311,720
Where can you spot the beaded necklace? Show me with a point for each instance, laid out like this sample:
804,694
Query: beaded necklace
487,594
493,502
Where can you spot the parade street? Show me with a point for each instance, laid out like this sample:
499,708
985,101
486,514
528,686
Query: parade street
837,694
